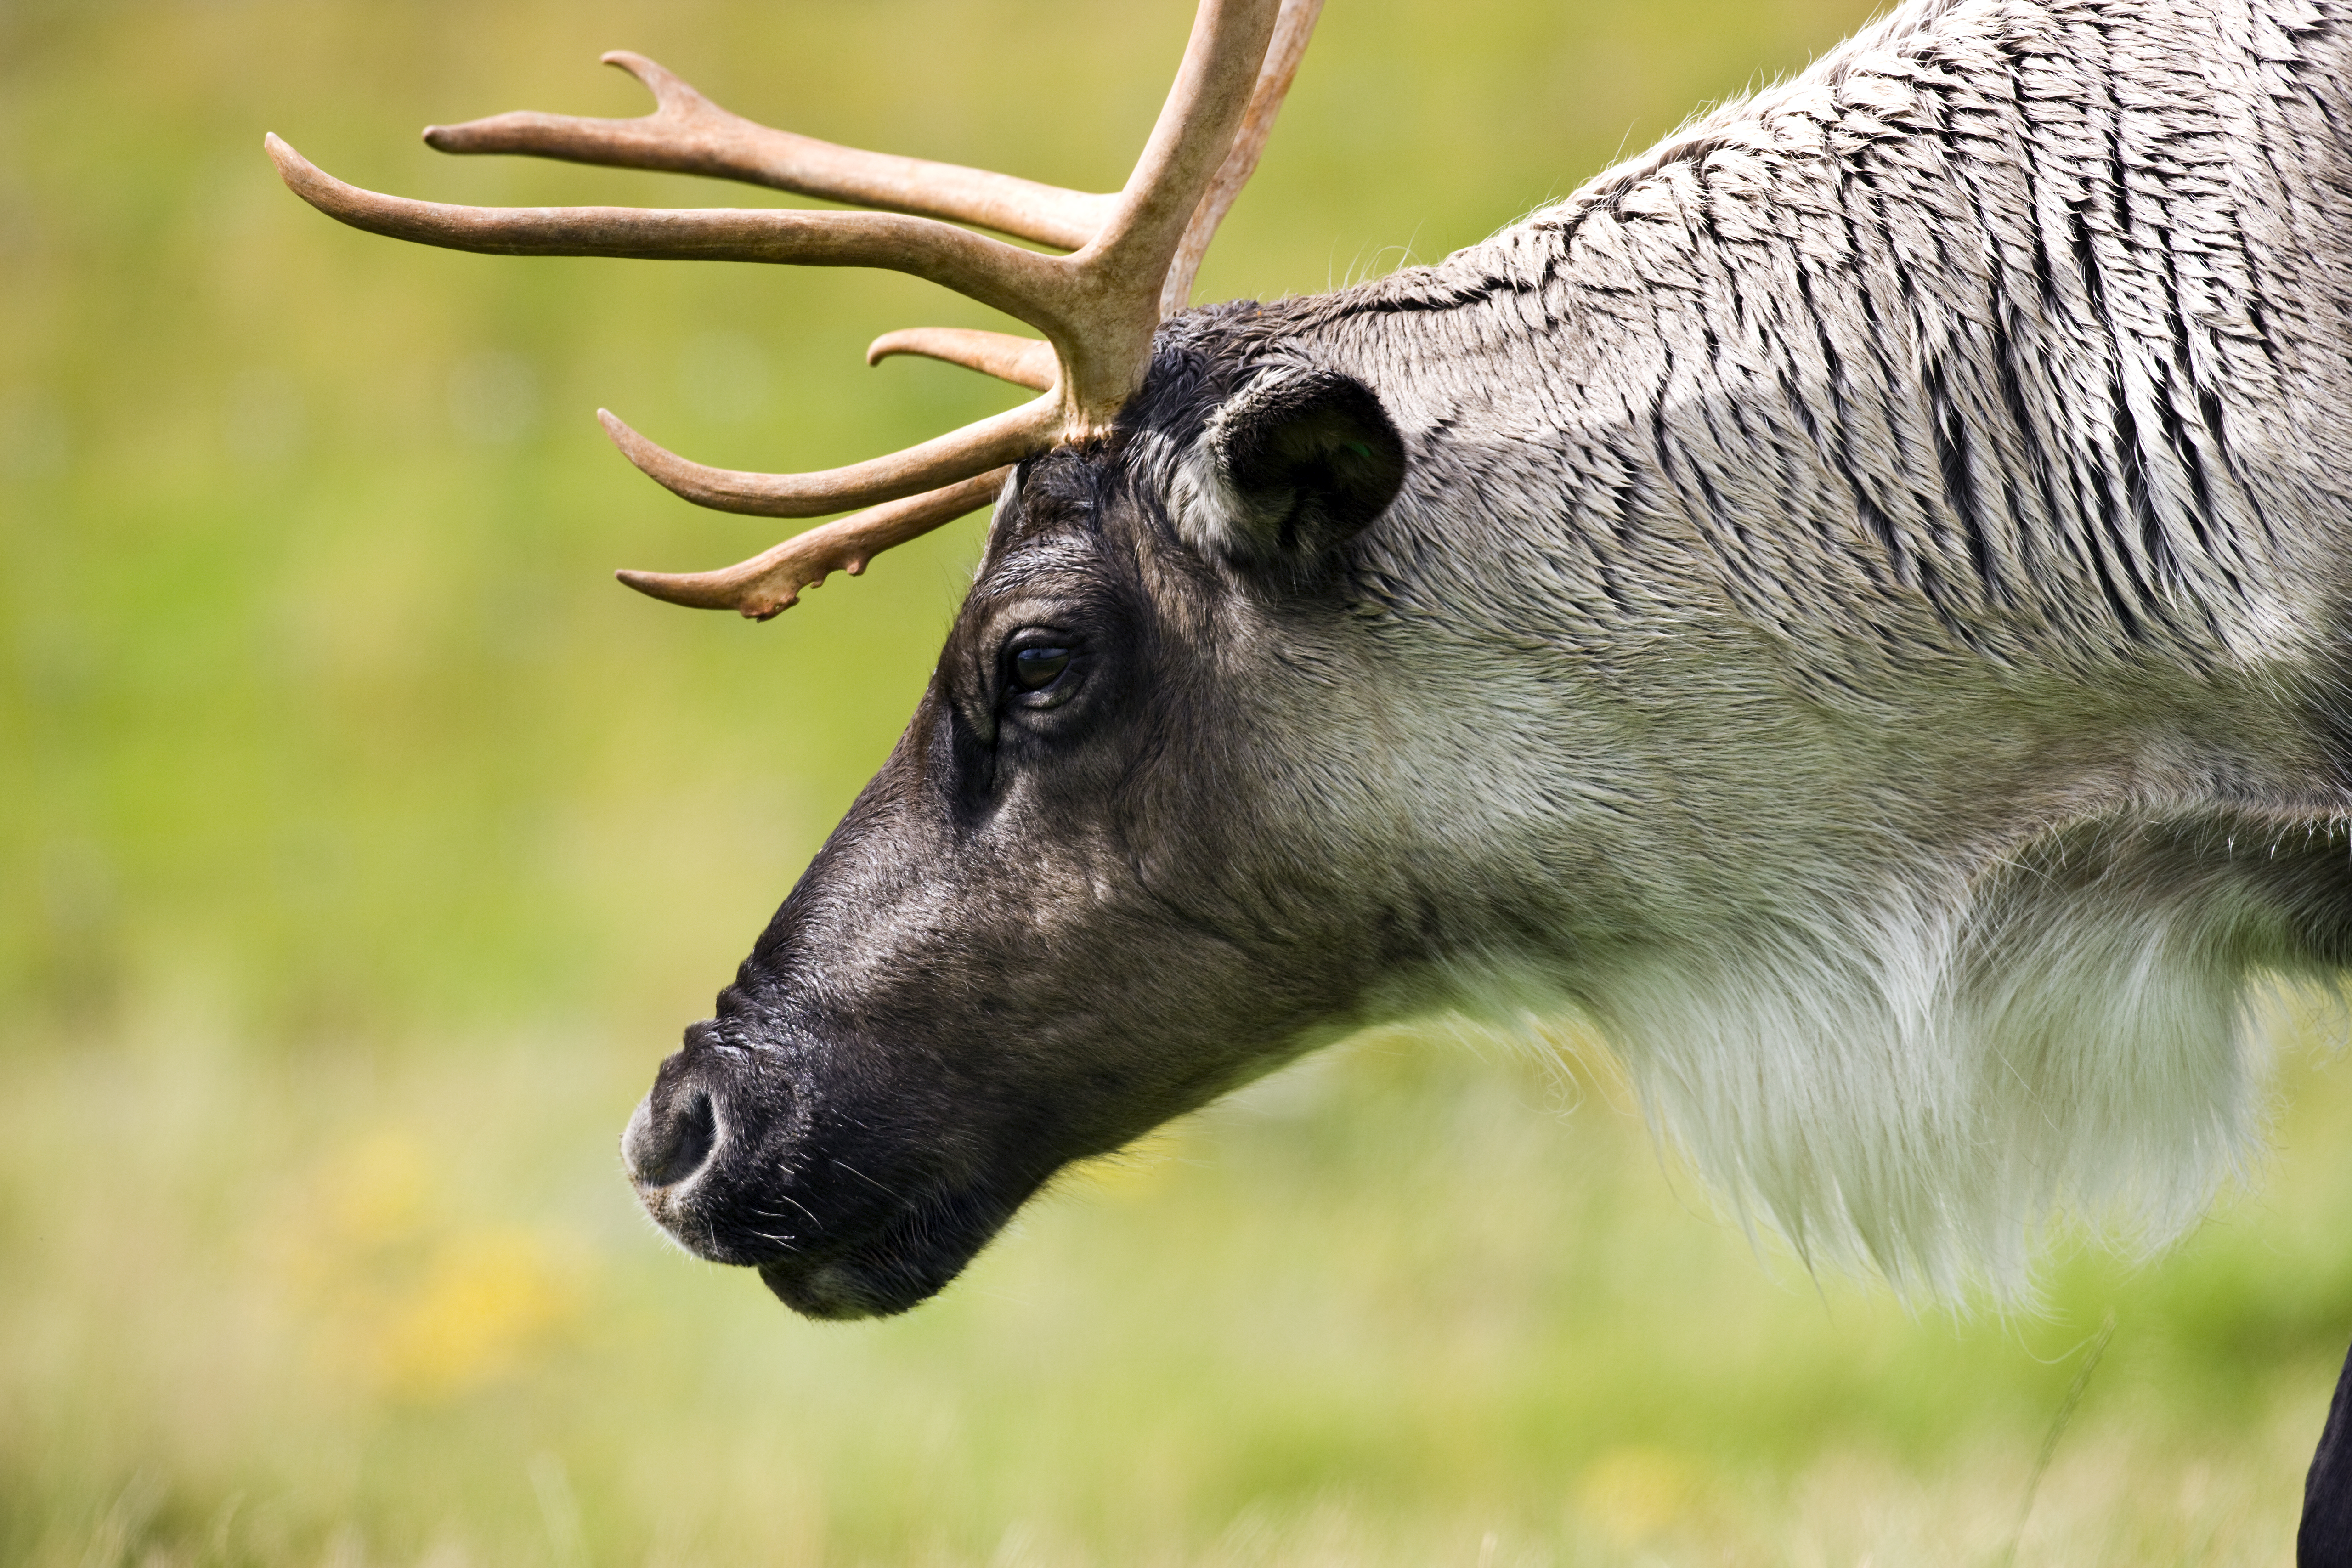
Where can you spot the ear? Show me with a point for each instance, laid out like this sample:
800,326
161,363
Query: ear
1303,460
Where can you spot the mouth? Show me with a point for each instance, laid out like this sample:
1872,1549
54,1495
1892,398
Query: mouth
910,1258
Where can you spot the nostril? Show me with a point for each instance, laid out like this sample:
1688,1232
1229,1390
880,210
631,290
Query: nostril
665,1145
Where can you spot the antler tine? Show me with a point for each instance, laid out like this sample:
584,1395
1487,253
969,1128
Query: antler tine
1019,282
1291,33
1004,437
688,134
1127,265
1025,362
771,582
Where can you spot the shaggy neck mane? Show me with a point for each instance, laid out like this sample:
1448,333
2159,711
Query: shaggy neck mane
1913,1088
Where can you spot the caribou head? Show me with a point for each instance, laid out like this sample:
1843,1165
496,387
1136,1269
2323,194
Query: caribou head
1055,918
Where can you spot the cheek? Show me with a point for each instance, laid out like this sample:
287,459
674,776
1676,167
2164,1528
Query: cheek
1051,864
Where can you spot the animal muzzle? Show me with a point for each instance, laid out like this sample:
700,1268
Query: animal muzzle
669,1141
845,1215
709,1151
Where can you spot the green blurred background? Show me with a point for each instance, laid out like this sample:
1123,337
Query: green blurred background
364,847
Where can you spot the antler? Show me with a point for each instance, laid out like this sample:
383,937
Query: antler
688,134
1133,261
771,581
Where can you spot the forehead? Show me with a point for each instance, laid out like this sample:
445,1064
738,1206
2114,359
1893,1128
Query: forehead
1096,507
1049,522
1060,489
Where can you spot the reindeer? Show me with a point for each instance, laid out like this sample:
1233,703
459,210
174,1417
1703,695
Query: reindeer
1852,602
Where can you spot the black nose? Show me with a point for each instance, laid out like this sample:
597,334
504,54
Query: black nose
672,1134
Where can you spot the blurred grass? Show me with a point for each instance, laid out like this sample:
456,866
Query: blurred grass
365,847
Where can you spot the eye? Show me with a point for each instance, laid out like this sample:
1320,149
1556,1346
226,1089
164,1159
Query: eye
1035,668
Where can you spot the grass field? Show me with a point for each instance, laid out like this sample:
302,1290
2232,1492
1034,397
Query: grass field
1415,1297
364,847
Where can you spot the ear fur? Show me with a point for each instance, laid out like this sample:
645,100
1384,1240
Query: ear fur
1302,460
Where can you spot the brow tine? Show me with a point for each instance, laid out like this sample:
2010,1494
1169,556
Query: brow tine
1020,283
1025,362
772,580
688,134
1005,438
1291,33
